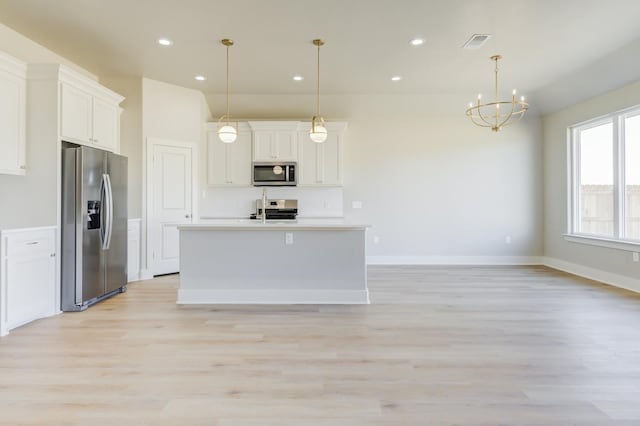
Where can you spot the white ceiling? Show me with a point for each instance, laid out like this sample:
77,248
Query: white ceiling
542,41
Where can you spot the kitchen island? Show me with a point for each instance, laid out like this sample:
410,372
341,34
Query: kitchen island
248,262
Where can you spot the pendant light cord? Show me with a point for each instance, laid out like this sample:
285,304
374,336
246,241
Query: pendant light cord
318,85
227,85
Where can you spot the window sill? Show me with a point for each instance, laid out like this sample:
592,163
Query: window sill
603,242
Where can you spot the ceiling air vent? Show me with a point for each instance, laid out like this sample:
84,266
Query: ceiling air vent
476,41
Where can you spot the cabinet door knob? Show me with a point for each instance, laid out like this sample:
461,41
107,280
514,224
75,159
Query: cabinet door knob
187,216
53,255
23,167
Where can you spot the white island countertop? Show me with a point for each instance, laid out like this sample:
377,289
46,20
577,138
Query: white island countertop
272,225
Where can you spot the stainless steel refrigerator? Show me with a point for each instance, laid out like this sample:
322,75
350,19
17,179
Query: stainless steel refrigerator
94,226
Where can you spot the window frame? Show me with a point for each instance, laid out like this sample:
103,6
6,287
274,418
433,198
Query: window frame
618,241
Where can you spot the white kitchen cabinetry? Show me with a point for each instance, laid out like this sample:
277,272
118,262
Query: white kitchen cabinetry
28,276
229,164
13,87
68,106
275,140
320,164
88,118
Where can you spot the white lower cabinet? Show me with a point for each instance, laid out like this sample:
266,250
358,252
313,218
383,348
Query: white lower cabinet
28,276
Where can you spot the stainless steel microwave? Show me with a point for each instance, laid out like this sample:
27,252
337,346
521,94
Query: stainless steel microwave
275,174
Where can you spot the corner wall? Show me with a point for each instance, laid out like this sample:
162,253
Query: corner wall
130,136
555,125
170,112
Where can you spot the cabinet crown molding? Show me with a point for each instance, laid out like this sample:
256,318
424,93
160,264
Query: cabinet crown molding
12,65
243,126
274,125
67,75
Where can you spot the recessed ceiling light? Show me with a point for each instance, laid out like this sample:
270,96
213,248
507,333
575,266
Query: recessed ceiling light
416,41
396,78
165,42
200,77
298,78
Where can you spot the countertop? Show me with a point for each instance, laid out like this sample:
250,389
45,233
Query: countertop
272,225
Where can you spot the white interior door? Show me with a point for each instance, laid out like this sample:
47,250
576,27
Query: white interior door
172,187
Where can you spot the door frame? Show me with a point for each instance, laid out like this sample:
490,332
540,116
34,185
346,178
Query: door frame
147,194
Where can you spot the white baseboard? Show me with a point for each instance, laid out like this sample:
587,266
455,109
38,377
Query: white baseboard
453,260
604,277
145,274
273,297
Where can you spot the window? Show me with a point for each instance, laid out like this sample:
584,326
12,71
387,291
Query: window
605,178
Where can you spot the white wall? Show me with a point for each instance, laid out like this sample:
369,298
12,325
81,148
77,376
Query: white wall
219,203
130,135
555,184
171,112
27,50
432,184
30,201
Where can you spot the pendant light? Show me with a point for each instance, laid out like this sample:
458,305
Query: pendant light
318,131
226,131
497,114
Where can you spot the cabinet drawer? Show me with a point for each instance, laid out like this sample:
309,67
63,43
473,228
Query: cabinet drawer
30,244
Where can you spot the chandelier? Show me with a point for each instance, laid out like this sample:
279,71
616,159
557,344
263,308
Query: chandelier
226,131
318,132
497,114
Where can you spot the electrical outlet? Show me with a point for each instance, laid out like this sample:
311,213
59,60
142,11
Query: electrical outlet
507,239
636,257
288,238
376,240
356,204
327,205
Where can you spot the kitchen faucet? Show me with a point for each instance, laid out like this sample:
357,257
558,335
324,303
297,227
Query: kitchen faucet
263,217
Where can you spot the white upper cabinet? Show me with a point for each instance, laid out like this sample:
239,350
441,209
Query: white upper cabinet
275,140
13,88
106,124
76,118
89,114
229,164
320,164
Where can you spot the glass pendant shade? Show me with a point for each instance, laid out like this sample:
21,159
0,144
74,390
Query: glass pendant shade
227,133
318,132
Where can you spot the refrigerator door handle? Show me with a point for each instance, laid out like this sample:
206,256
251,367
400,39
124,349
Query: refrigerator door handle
109,200
103,212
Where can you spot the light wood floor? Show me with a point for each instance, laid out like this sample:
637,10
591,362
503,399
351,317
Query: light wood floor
437,346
